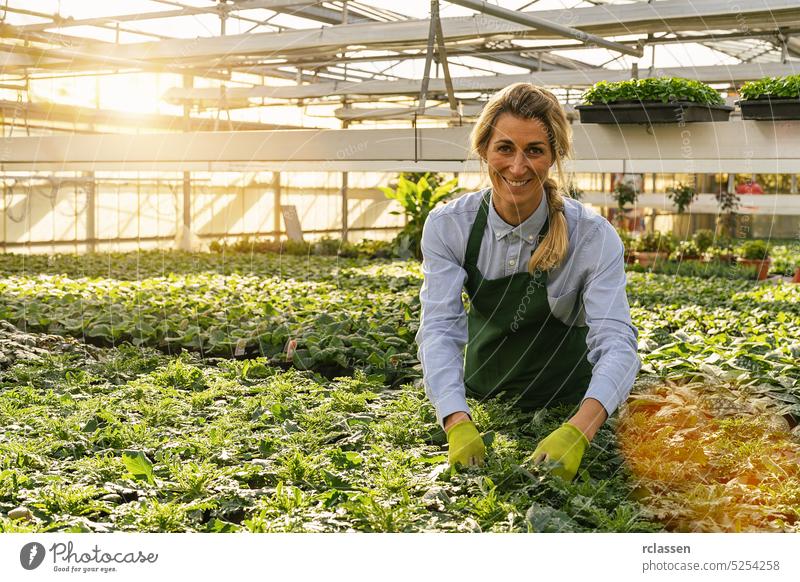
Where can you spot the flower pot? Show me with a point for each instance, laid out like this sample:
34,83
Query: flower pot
653,112
650,258
770,108
762,266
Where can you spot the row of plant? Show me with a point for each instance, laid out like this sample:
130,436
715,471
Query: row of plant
674,100
128,439
356,317
365,316
326,246
747,258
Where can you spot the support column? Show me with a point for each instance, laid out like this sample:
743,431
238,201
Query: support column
276,204
185,241
91,212
345,217
187,210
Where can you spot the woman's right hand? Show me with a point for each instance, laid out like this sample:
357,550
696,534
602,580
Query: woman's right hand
466,444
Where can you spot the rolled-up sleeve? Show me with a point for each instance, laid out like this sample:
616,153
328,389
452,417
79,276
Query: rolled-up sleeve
442,334
611,338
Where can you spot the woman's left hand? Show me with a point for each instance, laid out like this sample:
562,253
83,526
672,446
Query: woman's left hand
565,445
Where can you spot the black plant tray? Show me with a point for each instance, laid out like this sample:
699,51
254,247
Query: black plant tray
770,109
653,112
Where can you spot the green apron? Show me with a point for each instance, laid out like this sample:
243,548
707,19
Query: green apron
516,345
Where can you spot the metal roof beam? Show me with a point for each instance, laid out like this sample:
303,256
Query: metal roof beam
563,78
624,19
57,112
554,27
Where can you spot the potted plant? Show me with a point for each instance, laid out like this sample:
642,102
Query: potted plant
771,98
720,253
652,247
755,253
728,205
627,244
686,250
703,239
417,199
682,196
574,192
653,100
624,193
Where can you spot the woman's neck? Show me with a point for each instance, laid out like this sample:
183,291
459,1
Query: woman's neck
516,214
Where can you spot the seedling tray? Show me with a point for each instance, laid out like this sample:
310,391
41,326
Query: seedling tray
770,109
653,112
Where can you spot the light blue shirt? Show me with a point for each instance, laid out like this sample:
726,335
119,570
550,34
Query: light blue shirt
587,289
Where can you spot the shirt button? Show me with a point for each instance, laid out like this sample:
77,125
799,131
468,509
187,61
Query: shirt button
512,262
530,237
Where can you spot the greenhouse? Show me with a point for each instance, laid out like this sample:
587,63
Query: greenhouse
234,235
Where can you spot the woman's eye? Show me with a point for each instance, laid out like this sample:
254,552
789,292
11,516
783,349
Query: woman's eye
535,150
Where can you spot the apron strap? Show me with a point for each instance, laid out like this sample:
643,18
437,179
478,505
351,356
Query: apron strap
479,227
476,234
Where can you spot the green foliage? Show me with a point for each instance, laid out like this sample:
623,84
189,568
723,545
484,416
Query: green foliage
787,87
682,196
216,444
624,193
325,246
574,192
661,89
703,239
139,466
417,200
656,241
756,249
685,250
785,258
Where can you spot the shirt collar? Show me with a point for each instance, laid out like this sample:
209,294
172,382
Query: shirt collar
528,230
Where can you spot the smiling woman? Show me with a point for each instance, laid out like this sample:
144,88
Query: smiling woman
549,321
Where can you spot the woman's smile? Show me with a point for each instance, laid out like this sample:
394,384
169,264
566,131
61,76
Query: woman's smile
519,156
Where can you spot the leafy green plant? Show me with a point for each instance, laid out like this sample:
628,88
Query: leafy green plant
682,196
685,250
703,239
417,200
657,241
787,87
216,444
661,89
785,258
574,192
756,249
623,193
728,205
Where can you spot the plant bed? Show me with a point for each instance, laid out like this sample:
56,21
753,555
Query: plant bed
651,258
653,112
770,109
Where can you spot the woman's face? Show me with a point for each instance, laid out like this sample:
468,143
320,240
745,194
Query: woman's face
519,159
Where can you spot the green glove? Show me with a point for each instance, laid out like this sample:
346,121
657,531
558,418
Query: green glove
565,445
466,444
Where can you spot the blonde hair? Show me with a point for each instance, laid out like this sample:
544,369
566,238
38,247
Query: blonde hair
531,102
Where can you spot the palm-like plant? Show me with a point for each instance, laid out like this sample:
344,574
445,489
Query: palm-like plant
417,200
